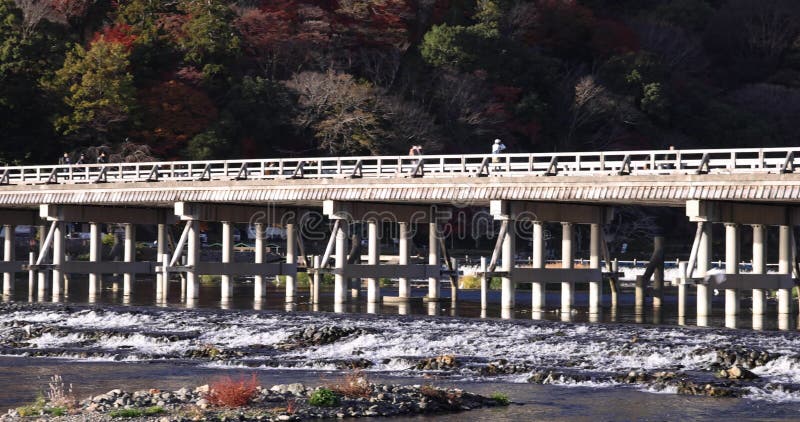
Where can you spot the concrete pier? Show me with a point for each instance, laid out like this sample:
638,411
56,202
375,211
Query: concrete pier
339,282
595,287
433,259
784,267
59,253
162,278
129,247
373,258
8,256
538,287
226,281
508,288
259,280
403,286
567,257
732,297
704,291
192,259
95,255
291,258
759,267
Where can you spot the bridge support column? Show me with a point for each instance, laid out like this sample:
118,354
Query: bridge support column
291,258
433,259
59,253
339,287
43,275
507,298
373,258
8,256
567,287
784,267
226,281
259,281
130,256
704,290
192,258
403,285
595,287
682,269
538,288
317,280
759,267
162,281
732,298
95,255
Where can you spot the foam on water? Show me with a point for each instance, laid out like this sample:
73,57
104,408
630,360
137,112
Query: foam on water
403,342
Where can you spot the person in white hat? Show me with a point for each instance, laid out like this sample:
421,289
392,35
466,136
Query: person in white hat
498,147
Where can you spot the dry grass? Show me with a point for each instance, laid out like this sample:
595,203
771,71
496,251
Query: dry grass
59,395
353,384
226,392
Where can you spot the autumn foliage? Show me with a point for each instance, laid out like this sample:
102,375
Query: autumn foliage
227,392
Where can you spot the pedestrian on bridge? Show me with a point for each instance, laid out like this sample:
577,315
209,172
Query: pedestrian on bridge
64,160
498,147
415,150
101,159
81,160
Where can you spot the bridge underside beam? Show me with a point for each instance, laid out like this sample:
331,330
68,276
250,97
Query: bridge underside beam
374,211
551,275
550,211
233,213
236,269
741,213
415,271
19,217
750,281
100,214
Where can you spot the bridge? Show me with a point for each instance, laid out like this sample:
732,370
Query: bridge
755,187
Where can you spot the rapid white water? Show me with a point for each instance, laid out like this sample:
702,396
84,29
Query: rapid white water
595,352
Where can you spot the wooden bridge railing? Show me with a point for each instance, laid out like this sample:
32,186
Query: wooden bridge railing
612,163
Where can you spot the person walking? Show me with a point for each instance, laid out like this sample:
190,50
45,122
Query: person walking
101,159
81,160
415,150
64,160
497,148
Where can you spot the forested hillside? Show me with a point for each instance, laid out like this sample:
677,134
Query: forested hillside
222,79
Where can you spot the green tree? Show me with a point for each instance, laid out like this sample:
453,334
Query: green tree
209,39
97,90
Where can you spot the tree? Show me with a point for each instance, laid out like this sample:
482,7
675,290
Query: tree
97,90
208,40
174,113
338,111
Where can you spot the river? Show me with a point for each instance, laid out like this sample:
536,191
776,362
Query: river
133,344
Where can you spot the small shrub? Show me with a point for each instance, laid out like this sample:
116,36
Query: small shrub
385,282
301,280
353,384
470,282
291,406
33,409
500,398
323,397
126,413
229,393
496,283
154,410
210,279
56,411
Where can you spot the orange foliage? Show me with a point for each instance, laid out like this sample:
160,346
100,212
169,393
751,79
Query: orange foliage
353,384
226,392
176,112
119,33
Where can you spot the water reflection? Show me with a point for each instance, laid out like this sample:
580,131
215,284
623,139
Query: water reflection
144,294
